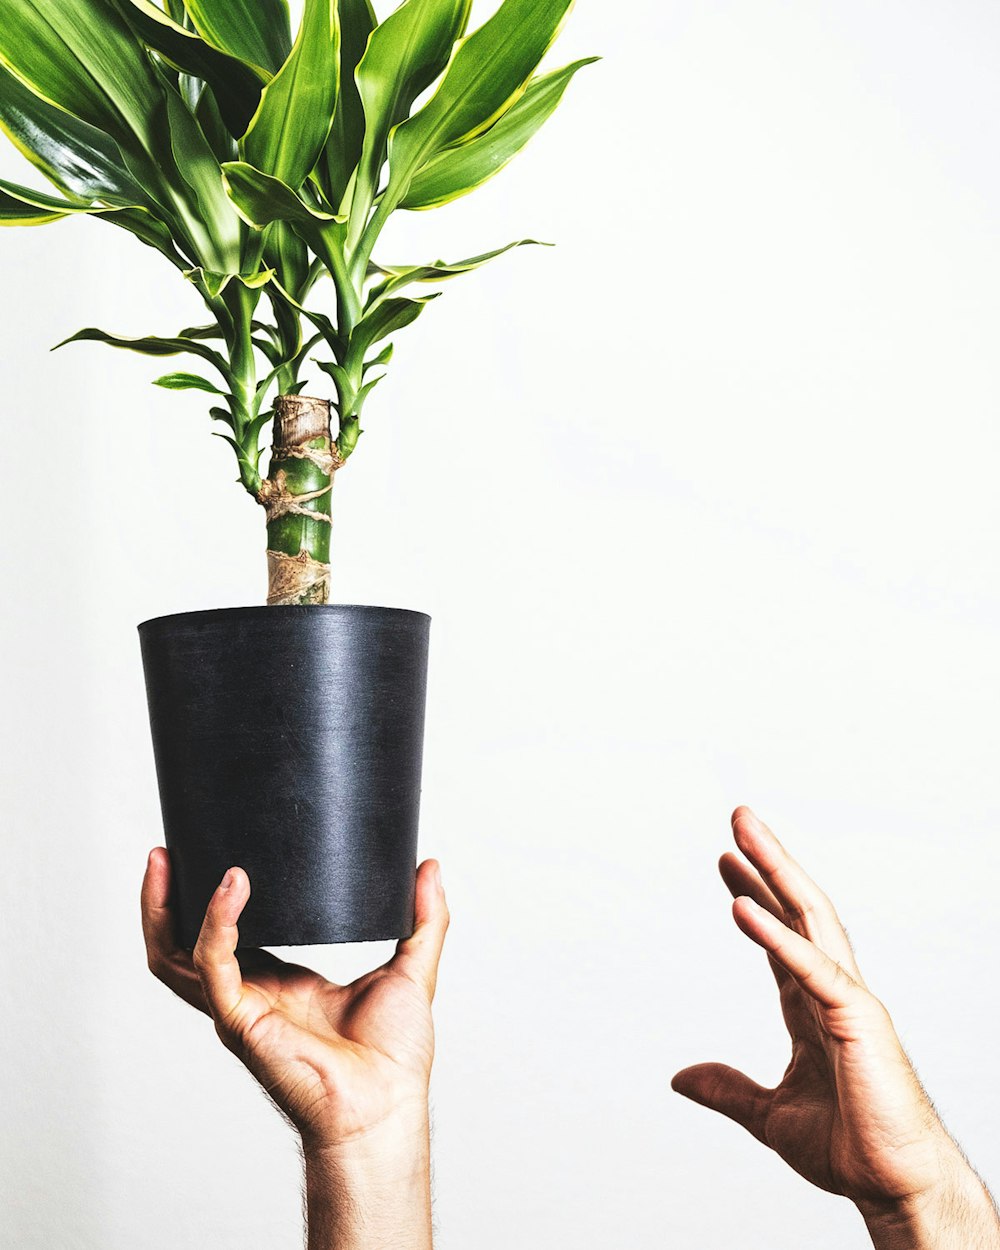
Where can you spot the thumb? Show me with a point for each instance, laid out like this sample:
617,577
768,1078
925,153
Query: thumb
418,955
731,1093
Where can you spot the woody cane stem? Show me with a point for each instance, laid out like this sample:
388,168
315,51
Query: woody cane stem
296,500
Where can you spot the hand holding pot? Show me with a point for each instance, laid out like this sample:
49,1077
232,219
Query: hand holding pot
850,1114
348,1065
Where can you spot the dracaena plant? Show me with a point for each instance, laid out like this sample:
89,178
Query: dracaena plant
264,168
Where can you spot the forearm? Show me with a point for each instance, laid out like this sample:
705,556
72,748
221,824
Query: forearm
373,1193
961,1215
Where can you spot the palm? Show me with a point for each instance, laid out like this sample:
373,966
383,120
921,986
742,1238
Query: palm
849,1113
335,1054
844,1115
337,1059
803,1123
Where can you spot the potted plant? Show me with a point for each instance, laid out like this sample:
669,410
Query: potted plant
263,169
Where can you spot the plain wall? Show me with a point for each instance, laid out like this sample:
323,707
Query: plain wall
703,503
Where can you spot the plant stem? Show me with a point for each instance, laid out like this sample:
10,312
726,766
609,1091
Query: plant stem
296,498
243,360
362,254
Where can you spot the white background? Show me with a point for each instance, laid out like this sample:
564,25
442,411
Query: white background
703,503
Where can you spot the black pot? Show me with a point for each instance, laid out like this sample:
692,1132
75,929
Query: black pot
288,741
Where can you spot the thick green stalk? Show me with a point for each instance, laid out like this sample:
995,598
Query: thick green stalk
244,362
233,309
362,254
296,498
350,393
330,243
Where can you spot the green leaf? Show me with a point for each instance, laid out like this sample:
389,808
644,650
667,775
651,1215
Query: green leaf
261,199
215,130
245,461
405,54
201,332
187,382
149,229
323,324
383,358
16,198
366,390
288,255
296,111
487,74
17,212
85,59
213,284
461,169
270,353
179,13
389,316
236,88
150,346
251,432
256,31
343,148
80,159
400,276
254,281
350,432
340,377
212,226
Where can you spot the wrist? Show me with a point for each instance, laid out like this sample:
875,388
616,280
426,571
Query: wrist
372,1188
366,1138
957,1213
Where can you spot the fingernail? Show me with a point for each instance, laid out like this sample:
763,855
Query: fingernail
227,880
437,876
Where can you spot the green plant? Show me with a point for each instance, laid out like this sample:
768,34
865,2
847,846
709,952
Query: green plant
259,166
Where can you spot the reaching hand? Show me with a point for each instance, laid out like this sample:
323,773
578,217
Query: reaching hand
849,1114
338,1060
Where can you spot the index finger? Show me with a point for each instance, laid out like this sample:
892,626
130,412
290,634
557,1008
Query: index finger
825,980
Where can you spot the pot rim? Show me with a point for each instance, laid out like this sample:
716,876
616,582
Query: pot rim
350,609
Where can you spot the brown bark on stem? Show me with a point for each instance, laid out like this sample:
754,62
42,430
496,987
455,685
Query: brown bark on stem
296,499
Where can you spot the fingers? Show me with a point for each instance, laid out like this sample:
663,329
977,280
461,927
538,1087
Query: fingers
821,977
418,956
157,917
799,896
215,953
740,878
167,961
802,902
723,1089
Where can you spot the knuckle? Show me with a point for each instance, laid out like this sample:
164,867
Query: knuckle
843,978
801,911
873,1007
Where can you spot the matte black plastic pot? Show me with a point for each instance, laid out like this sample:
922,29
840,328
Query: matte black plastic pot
289,741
